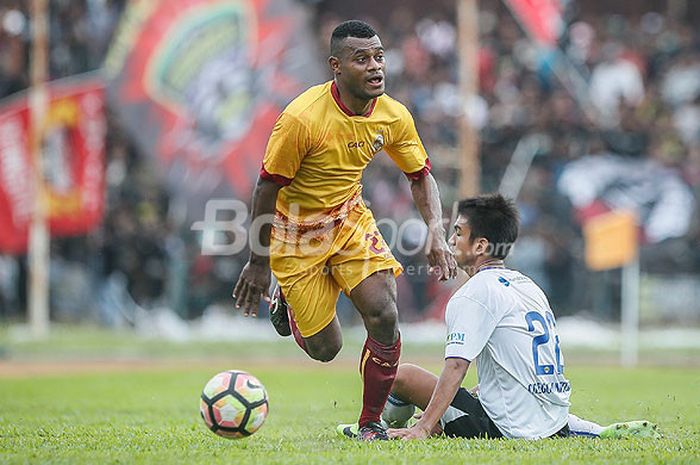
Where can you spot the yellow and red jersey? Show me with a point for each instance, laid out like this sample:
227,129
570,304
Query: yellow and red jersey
319,148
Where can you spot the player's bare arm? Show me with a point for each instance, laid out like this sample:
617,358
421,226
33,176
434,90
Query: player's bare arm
450,380
427,199
254,281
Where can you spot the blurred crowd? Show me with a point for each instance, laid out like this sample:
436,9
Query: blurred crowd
644,75
79,36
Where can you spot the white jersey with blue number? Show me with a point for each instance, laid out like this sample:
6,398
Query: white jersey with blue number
501,320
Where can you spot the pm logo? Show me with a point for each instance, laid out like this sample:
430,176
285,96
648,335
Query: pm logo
455,338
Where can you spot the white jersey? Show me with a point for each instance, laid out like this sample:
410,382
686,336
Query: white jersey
501,319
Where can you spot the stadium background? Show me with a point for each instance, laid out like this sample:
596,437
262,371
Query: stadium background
142,265
155,111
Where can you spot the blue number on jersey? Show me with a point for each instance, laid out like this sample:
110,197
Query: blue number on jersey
557,351
537,341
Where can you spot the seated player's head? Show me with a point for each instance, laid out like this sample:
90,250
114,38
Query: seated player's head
357,59
486,228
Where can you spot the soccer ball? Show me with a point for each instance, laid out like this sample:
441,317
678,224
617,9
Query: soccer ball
234,404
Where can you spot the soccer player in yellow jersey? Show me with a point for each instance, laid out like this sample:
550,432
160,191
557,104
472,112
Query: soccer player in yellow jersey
323,239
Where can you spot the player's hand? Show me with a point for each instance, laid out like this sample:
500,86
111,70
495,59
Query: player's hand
441,259
253,283
416,431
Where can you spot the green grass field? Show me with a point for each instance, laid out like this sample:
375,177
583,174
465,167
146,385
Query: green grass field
150,415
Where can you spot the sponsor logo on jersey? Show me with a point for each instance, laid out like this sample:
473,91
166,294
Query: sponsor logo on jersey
378,142
455,338
503,281
548,388
383,363
376,145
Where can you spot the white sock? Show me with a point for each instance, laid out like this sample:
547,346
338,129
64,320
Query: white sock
580,427
397,412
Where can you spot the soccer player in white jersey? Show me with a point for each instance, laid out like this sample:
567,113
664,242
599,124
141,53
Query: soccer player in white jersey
501,320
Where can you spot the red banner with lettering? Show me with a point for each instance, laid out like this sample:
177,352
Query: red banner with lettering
73,150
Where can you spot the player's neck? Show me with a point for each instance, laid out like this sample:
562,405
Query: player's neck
354,104
487,264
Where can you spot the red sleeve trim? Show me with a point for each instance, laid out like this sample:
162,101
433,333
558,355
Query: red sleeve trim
420,173
276,178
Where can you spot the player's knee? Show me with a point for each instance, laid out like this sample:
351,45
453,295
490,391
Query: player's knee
324,353
403,375
383,317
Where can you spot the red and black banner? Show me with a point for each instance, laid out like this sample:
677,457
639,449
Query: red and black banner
73,151
199,84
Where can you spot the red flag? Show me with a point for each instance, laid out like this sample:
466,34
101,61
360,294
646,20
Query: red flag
16,176
73,140
541,19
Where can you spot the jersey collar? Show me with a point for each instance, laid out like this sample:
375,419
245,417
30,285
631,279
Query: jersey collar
336,96
492,265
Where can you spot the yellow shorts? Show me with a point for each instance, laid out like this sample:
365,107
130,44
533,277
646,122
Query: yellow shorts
312,266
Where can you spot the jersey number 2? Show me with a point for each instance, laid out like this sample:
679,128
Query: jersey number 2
376,242
537,341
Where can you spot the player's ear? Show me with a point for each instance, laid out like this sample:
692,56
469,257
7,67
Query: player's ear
334,63
482,246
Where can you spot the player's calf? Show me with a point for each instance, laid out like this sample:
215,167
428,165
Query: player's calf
397,413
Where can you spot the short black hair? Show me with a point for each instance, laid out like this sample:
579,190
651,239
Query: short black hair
494,217
351,28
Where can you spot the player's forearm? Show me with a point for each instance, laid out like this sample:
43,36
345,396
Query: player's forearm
264,202
427,199
449,382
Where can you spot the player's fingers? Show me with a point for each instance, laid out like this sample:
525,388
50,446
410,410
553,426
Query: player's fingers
253,310
452,263
252,300
241,296
266,294
432,259
444,269
236,289
245,301
450,266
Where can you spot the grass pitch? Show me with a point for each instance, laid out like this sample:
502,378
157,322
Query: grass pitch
150,415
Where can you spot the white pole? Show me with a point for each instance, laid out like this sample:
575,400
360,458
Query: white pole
520,163
629,355
38,291
468,46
